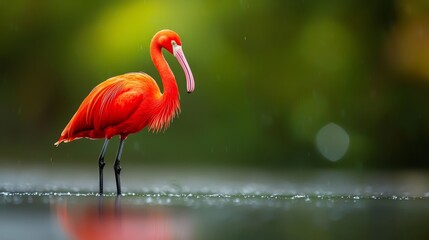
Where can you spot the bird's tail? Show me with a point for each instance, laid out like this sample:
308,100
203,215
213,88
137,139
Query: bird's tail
65,140
58,142
65,136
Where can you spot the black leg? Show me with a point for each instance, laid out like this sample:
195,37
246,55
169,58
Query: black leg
117,167
101,163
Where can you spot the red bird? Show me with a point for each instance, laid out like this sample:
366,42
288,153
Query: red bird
127,103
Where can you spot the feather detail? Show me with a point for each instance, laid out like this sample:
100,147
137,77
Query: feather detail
109,95
109,104
165,112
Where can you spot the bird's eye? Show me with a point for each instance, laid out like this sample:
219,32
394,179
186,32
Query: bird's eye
173,43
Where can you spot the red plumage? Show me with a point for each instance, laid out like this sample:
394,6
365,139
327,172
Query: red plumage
121,105
125,104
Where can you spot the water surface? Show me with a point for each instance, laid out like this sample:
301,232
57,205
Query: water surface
312,205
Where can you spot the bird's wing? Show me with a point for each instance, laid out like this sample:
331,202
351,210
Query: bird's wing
113,104
108,104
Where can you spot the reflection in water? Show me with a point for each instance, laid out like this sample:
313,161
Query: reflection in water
108,219
212,216
299,205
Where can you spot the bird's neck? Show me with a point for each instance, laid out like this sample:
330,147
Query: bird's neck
169,104
170,88
167,76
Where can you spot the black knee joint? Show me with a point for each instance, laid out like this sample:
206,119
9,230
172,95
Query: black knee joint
117,168
101,164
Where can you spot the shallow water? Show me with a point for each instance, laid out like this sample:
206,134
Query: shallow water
312,205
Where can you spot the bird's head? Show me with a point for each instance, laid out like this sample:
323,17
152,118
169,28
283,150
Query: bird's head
170,40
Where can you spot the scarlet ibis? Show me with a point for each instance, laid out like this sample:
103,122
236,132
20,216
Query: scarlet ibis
127,103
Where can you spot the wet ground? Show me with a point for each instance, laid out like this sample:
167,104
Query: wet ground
214,204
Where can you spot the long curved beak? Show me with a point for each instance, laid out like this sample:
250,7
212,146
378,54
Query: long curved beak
178,53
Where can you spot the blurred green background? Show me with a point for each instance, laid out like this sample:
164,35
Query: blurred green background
280,84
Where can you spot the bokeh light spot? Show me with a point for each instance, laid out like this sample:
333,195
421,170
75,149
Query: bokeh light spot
332,141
